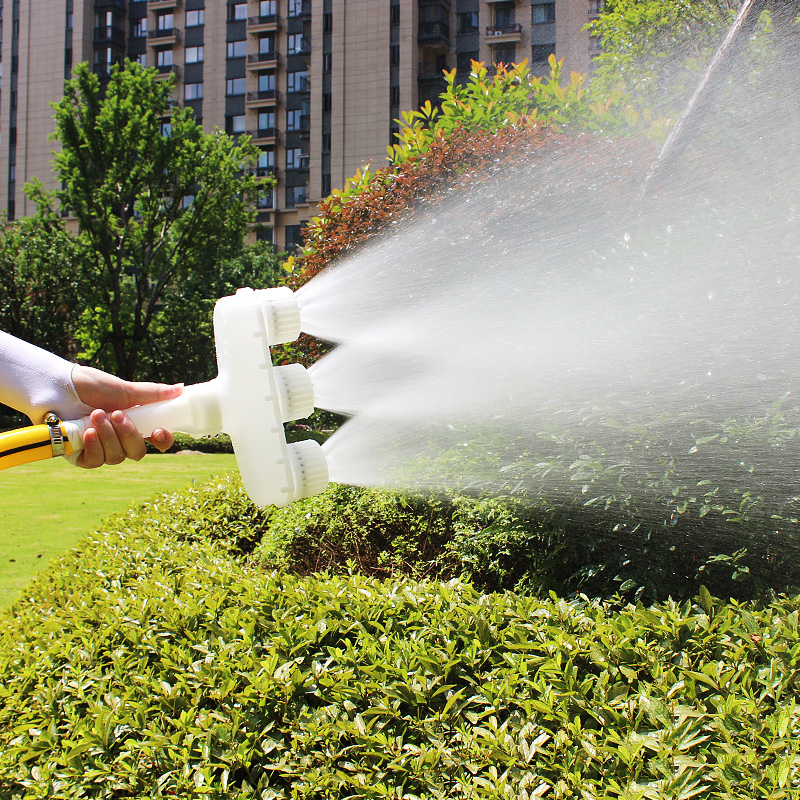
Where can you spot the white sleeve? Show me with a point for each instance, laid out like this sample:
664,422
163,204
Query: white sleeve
35,381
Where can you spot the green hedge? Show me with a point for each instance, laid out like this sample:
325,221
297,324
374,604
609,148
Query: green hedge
154,661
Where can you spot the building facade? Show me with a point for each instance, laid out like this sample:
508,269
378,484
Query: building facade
317,84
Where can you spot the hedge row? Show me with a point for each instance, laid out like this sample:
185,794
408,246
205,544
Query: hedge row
151,663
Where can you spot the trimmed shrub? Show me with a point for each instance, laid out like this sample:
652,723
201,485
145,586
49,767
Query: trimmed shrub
217,510
154,664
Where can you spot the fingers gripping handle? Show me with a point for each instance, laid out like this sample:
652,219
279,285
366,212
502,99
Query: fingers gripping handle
195,412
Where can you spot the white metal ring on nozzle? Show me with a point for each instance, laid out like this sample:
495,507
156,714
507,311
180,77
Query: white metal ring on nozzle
309,467
295,392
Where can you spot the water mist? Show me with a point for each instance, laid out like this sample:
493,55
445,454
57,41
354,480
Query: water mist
549,334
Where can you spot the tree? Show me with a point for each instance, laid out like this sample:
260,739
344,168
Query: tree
40,288
155,199
656,49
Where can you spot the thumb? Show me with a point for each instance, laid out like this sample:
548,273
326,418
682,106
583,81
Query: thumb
143,392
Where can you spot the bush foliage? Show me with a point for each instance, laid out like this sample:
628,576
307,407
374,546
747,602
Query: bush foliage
153,662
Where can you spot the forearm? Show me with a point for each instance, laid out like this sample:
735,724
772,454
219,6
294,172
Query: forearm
35,381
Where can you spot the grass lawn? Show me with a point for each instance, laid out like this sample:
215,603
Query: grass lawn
48,506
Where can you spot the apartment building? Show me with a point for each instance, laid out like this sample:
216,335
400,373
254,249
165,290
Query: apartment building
317,84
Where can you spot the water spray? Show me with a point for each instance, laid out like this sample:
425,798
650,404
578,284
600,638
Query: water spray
250,399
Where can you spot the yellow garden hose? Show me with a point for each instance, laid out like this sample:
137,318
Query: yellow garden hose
35,443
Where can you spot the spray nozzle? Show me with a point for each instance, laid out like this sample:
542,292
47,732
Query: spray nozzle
250,399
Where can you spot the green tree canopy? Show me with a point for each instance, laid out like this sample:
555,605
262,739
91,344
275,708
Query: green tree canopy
155,199
40,289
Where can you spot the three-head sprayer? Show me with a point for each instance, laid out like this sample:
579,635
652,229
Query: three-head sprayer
250,399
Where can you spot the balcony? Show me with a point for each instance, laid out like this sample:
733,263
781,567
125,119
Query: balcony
497,34
165,70
303,49
266,201
300,86
163,36
159,4
259,24
268,97
109,34
433,33
267,172
263,135
262,60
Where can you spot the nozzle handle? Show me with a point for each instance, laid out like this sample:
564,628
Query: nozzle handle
195,412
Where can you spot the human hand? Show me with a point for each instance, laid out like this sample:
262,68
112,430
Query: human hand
112,437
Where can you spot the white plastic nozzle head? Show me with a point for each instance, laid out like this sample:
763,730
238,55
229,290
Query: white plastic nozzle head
309,467
295,392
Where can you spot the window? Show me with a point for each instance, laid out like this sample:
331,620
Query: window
293,155
166,129
234,86
468,22
139,27
543,12
104,19
394,15
266,159
292,236
505,53
266,43
195,18
464,60
193,55
295,45
164,58
266,120
327,101
326,184
295,195
504,15
541,52
326,143
327,22
235,124
394,54
293,117
264,234
268,8
193,91
166,21
394,95
237,49
237,11
140,59
188,199
70,19
266,199
266,82
295,8
297,81
327,62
